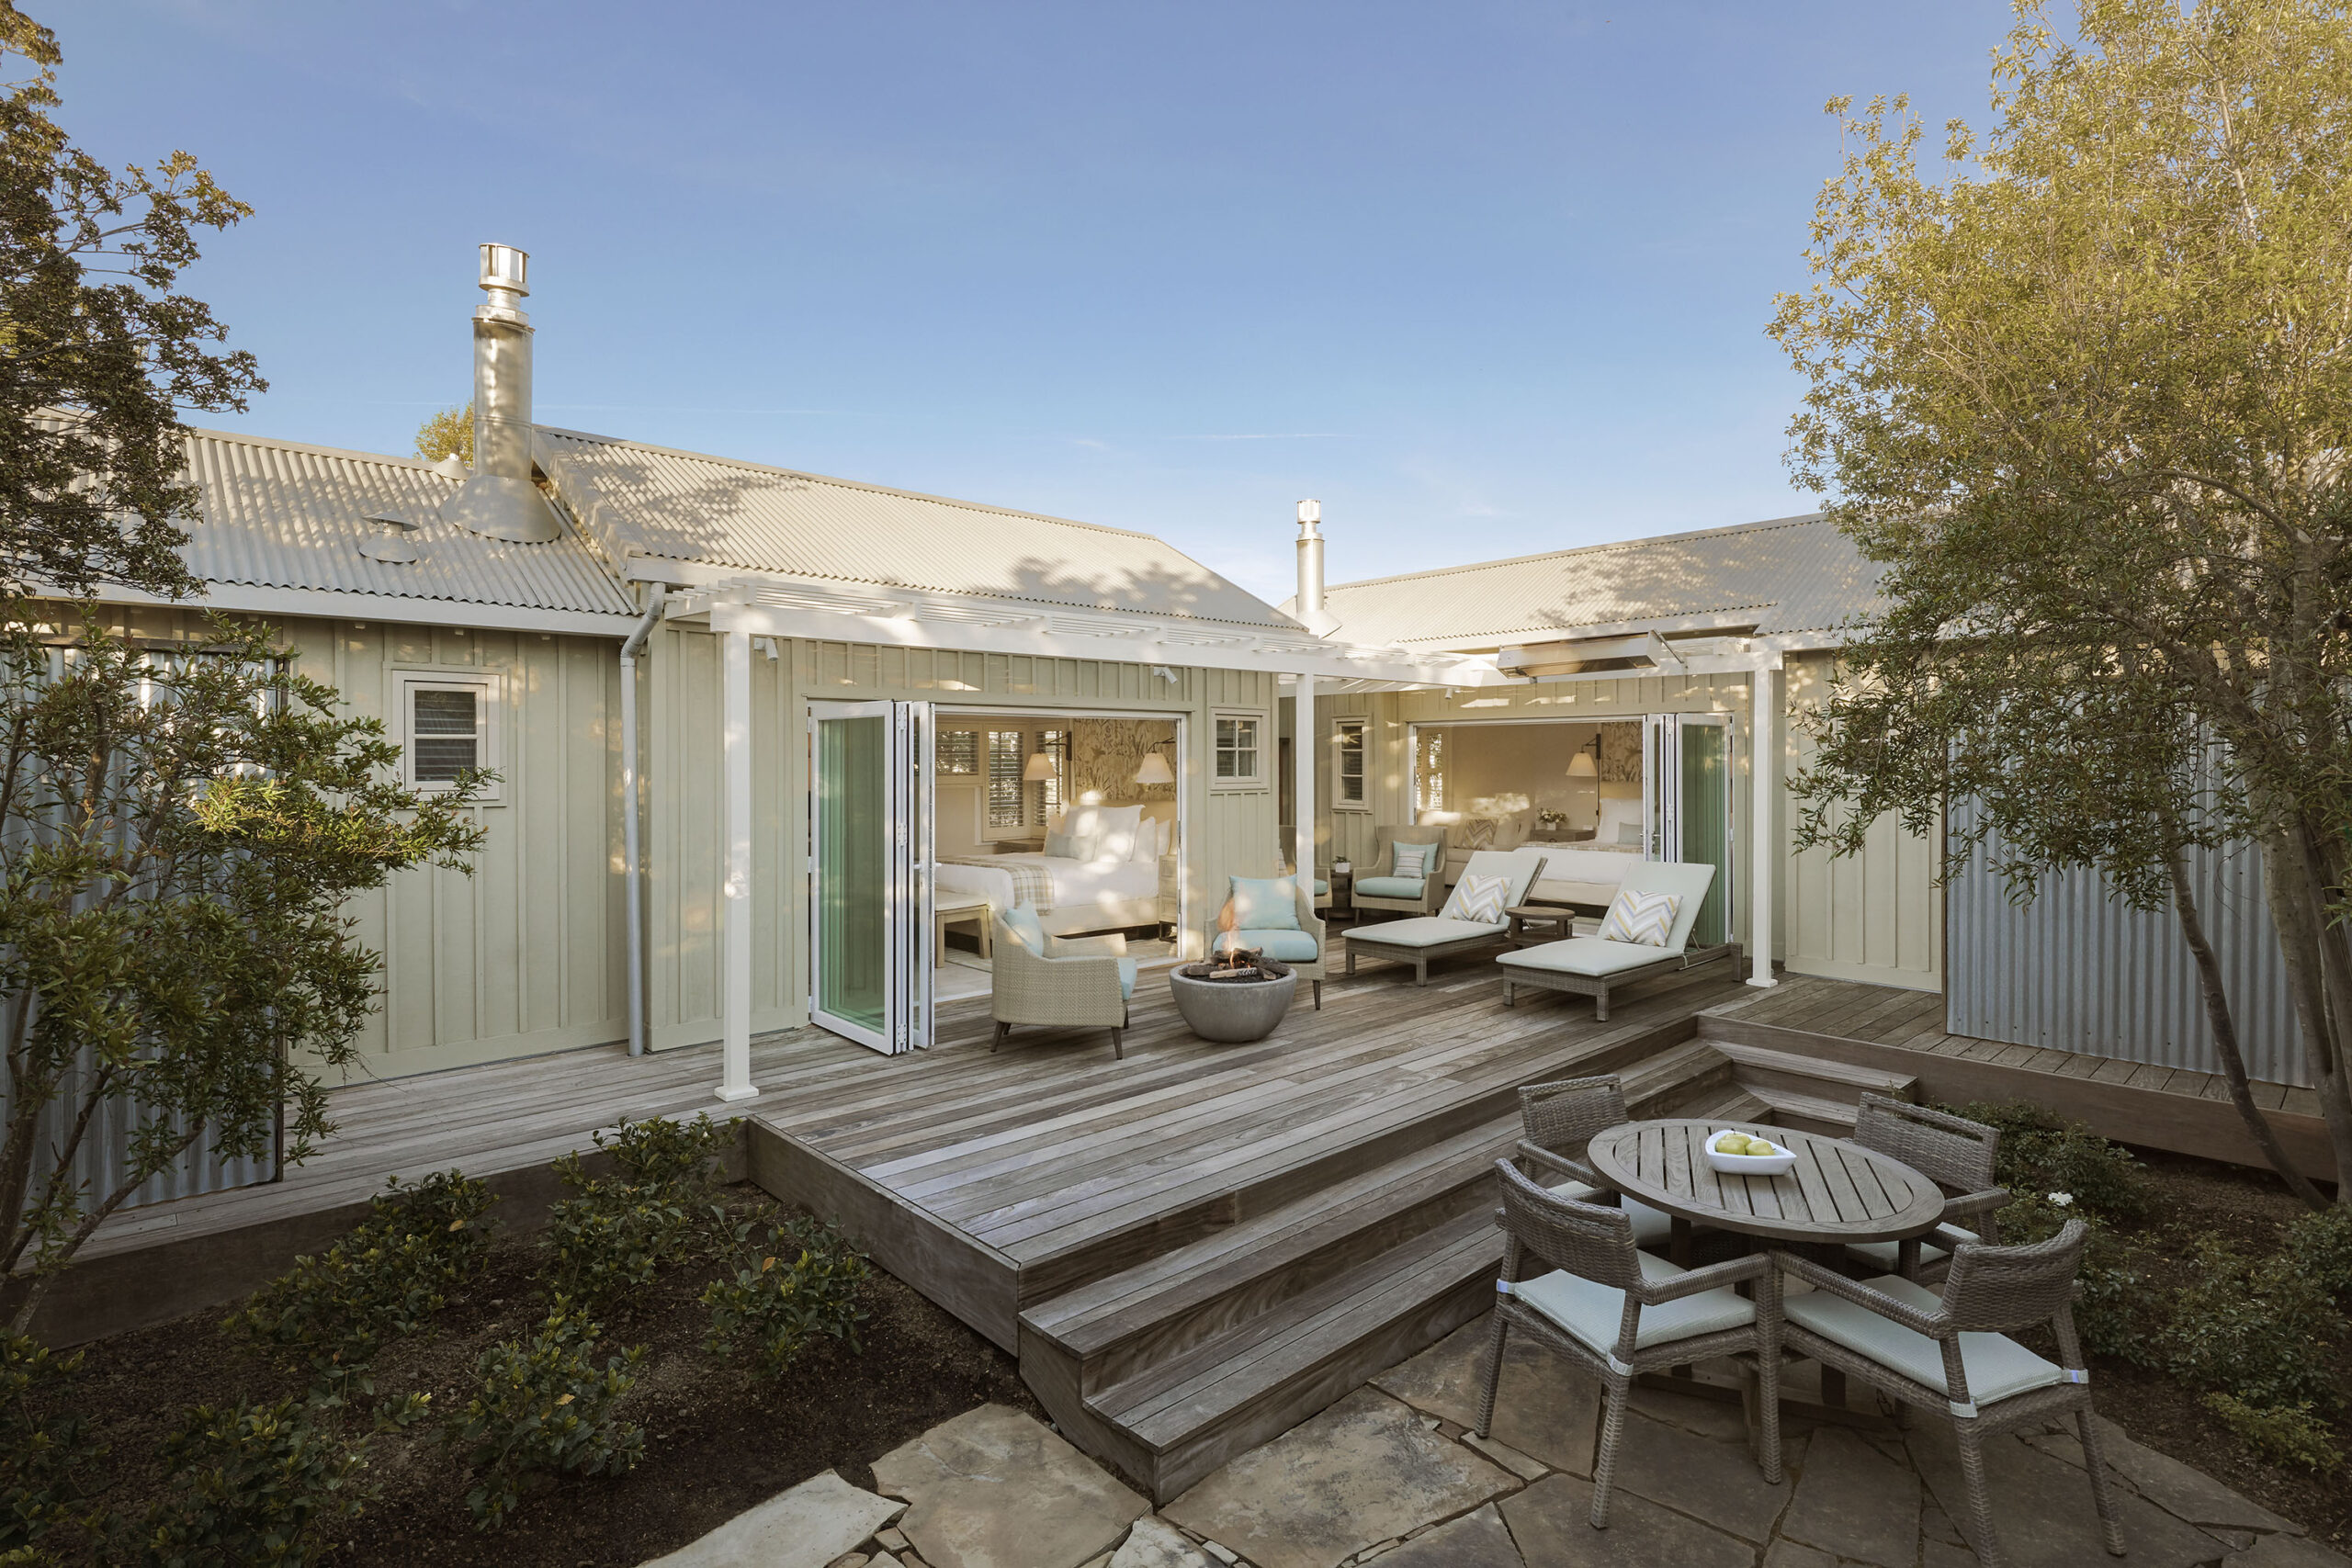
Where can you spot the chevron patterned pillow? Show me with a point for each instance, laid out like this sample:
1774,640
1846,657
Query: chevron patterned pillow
1478,898
1643,918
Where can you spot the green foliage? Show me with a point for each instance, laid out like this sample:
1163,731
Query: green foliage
2288,1432
543,1409
89,259
45,1453
258,1483
181,833
2042,1153
800,1282
381,1283
449,433
2257,1329
613,1237
2321,1245
2111,1307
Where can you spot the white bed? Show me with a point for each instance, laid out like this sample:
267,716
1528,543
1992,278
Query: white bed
1100,891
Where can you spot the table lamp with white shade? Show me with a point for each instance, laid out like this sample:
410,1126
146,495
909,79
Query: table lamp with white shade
1580,766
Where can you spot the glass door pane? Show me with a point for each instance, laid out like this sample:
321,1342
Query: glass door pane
852,876
1702,800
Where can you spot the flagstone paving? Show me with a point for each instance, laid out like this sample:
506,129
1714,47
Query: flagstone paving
1389,1477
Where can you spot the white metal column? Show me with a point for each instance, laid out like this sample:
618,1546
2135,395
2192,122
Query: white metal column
735,708
1764,762
1301,723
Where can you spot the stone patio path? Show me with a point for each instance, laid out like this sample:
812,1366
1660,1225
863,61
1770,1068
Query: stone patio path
1390,1474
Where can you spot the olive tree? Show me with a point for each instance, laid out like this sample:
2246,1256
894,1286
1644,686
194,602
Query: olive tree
2087,393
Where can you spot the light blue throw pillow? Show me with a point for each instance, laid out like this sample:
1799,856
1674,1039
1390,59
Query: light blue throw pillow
1026,929
1265,903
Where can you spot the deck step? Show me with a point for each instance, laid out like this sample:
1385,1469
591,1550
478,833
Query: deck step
1731,1105
1118,1327
1187,1417
1668,1082
1769,1072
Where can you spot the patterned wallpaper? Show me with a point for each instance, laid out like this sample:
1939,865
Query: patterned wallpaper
1621,753
1106,753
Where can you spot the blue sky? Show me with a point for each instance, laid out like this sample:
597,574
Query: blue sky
1486,278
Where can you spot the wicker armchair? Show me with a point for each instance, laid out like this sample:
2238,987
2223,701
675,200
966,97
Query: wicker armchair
1077,982
1951,1150
1951,1354
1272,942
1560,1119
1432,894
1619,1312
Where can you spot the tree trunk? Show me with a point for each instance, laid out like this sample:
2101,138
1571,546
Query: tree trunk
2298,911
2225,1033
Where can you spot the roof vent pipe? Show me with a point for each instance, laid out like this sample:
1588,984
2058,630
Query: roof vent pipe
499,500
1309,610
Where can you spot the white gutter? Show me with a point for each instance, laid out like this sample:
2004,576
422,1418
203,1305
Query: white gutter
632,864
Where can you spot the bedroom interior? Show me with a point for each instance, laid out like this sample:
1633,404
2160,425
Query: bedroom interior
1074,815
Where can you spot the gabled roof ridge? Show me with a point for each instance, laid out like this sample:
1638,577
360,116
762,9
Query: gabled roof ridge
1608,547
851,484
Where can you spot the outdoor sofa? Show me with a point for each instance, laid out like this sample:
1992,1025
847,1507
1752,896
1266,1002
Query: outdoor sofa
1418,940
1595,966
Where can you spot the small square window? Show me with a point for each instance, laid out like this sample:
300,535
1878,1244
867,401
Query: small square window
447,726
1238,760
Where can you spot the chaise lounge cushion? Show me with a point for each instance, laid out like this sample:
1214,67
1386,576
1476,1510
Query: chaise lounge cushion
1426,931
1584,956
1292,946
1390,888
1592,1312
1997,1365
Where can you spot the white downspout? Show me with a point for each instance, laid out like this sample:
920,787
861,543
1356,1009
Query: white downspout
632,834
735,687
1765,843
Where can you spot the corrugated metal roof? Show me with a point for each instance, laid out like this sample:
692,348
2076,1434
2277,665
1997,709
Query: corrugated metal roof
1790,575
280,515
687,507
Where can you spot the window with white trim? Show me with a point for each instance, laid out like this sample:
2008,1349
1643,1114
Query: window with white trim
1008,792
1239,761
958,752
1347,765
448,727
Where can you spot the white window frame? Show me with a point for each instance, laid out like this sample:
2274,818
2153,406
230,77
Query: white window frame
1362,729
490,688
1256,780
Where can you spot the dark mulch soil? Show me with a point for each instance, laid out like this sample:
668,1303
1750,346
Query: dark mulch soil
715,1444
2187,1197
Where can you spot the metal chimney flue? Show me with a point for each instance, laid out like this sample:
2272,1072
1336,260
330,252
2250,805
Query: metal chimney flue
1309,610
499,500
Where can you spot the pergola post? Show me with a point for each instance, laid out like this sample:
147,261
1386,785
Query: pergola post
735,965
1301,723
1765,763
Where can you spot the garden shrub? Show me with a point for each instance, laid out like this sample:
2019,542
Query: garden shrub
2321,1245
543,1408
258,1483
2288,1432
659,1152
2255,1329
2111,1309
613,1236
45,1452
383,1282
802,1281
2043,1152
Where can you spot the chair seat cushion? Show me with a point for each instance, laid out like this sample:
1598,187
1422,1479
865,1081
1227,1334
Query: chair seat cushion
1997,1365
1292,946
1322,887
1888,1255
1591,1312
1586,955
1390,888
1651,1226
1126,978
1429,930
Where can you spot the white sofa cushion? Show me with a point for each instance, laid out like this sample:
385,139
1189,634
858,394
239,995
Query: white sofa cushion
1590,955
1591,1312
1997,1365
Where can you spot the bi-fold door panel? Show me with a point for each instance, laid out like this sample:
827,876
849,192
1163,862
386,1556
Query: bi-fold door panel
869,883
1686,773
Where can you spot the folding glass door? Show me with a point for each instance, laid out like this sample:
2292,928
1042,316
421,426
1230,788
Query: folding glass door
869,872
1686,773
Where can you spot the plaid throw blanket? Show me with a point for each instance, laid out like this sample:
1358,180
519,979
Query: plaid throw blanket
1032,883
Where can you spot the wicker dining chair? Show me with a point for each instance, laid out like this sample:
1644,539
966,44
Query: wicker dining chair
1618,1311
1951,1353
1559,1121
1955,1154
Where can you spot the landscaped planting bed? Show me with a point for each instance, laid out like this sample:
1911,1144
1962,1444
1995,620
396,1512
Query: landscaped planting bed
710,1435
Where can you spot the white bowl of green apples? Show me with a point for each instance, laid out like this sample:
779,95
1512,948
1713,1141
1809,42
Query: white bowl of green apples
1735,1153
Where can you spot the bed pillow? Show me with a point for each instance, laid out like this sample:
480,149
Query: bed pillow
1067,846
1409,860
1479,899
1151,839
1110,831
1628,835
1644,918
1265,904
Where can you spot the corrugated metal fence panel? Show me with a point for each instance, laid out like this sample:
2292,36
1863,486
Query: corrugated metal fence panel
103,1156
2078,970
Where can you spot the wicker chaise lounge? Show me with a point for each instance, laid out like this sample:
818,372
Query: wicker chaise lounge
1416,941
1594,966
